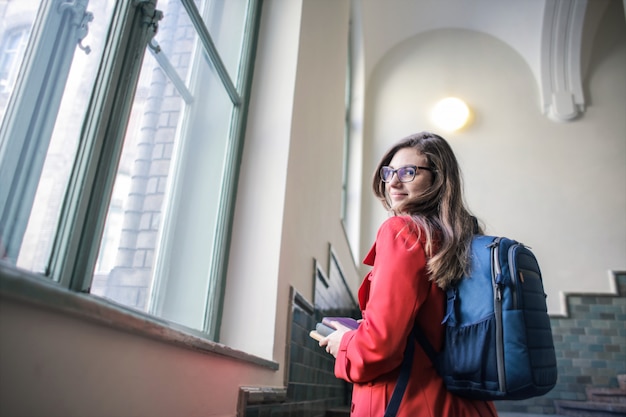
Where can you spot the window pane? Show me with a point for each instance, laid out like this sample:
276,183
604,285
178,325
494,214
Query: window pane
36,245
155,255
17,21
13,48
225,20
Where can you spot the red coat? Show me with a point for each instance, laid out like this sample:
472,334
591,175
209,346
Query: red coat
394,294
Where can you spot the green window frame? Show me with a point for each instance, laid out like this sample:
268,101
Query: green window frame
60,34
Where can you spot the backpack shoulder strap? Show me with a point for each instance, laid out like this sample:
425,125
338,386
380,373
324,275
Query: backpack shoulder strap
403,378
426,345
407,361
449,318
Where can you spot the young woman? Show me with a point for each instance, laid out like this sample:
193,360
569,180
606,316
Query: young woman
420,250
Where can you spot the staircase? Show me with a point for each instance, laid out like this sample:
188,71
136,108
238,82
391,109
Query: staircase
338,412
601,402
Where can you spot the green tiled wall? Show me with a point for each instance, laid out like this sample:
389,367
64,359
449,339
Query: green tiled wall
312,387
590,346
311,384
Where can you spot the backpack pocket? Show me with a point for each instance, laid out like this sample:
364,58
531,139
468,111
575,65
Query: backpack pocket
469,361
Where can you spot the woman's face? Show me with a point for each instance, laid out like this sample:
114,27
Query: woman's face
397,191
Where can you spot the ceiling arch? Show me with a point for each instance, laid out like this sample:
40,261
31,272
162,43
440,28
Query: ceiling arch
548,34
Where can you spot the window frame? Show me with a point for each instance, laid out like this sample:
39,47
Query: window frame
36,96
91,182
77,241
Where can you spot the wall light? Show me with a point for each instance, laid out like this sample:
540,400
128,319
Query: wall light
450,114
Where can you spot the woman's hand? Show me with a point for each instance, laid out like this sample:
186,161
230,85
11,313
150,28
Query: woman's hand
333,340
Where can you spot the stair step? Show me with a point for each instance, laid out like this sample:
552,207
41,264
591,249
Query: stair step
609,395
590,408
338,412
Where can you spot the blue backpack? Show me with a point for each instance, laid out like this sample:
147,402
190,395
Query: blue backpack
498,342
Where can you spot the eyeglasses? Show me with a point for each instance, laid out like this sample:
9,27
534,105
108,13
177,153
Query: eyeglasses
405,174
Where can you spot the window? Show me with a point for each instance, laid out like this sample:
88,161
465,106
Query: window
119,151
347,130
353,138
13,46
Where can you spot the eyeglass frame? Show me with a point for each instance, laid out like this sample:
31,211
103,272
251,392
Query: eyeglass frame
395,172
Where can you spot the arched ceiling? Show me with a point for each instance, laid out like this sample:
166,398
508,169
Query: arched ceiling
548,34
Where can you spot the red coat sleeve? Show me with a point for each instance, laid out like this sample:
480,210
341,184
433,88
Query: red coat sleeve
398,287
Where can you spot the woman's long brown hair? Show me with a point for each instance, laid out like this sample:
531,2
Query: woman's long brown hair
440,210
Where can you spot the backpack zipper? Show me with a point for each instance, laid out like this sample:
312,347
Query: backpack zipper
512,251
497,309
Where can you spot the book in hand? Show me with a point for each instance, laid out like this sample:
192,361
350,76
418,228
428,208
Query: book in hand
346,321
326,327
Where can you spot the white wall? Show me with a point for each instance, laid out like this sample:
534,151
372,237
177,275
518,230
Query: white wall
256,241
288,207
558,187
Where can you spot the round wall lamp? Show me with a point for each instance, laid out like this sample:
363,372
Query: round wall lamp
450,114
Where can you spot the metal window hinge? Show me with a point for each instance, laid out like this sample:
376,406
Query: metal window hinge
80,18
151,15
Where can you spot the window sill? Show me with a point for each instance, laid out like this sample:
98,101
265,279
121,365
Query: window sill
28,287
